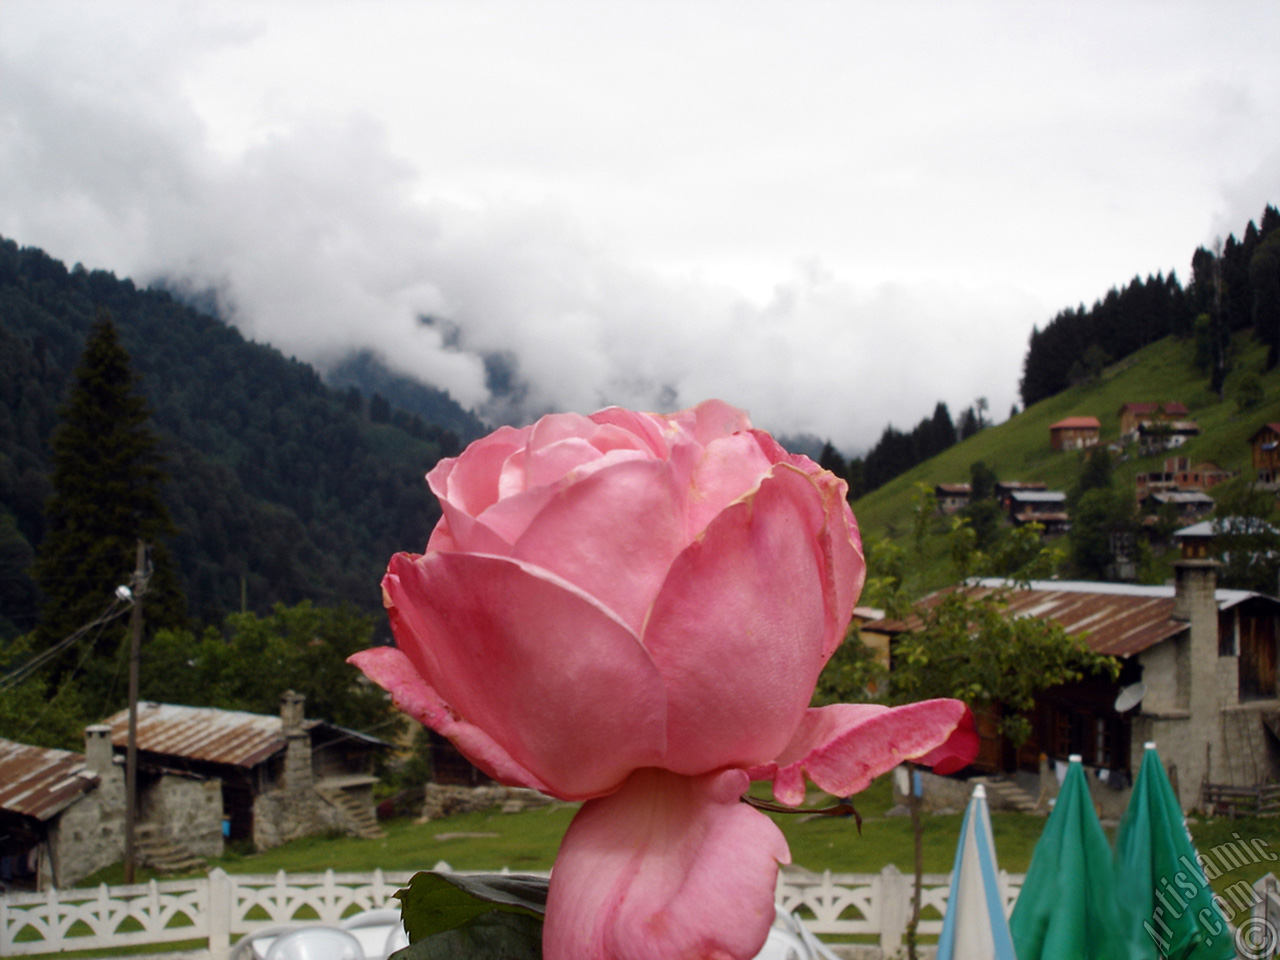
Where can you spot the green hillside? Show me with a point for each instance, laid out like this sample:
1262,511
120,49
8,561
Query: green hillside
1019,448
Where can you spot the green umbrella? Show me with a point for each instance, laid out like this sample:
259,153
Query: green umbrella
1067,909
1168,904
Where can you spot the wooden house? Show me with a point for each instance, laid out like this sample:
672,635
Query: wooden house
1074,433
952,496
1265,444
1133,415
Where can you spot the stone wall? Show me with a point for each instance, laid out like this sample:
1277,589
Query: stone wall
89,834
444,800
186,810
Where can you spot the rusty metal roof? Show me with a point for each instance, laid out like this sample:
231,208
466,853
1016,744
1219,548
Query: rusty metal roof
1114,618
215,736
202,733
39,782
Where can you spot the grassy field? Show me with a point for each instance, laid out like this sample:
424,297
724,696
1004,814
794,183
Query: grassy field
1018,449
528,841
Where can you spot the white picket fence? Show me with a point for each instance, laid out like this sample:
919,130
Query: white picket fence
221,907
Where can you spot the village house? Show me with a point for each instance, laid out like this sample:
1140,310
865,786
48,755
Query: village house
62,814
1265,444
1186,504
1158,435
1045,507
952,497
1004,488
1180,474
1199,677
1074,433
1134,415
279,777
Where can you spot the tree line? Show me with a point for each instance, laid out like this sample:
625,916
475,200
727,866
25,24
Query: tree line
260,491
897,451
1233,287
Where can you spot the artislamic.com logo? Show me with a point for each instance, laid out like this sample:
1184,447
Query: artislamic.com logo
1255,938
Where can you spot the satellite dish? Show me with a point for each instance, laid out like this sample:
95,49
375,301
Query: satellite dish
1130,696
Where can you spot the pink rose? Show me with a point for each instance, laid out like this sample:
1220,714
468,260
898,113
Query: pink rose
632,609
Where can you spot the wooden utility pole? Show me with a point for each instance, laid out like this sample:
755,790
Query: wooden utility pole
138,587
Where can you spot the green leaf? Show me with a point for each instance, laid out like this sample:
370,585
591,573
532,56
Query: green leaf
498,934
437,902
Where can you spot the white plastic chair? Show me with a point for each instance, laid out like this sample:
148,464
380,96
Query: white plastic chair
397,939
316,943
790,939
254,946
377,930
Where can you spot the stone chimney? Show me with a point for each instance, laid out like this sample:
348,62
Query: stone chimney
297,757
292,711
1195,601
97,749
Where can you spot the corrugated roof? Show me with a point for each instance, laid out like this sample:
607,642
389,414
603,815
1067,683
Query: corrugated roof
39,782
202,733
215,736
1115,618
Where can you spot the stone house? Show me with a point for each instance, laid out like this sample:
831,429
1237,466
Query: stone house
1199,677
1134,415
62,814
1074,433
279,777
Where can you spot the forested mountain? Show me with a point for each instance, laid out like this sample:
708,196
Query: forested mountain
390,392
282,489
1231,289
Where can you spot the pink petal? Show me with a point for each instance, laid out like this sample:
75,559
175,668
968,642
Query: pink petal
713,419
550,463
577,535
738,629
470,482
643,426
730,468
845,746
553,678
667,868
390,669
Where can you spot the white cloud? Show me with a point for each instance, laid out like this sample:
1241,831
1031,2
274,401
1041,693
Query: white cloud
832,216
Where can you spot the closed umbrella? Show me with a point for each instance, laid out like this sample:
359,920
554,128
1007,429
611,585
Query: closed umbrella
975,927
1067,908
1168,905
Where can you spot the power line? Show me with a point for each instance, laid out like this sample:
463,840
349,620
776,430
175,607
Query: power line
118,605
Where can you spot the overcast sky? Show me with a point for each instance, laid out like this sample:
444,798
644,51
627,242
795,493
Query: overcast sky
832,214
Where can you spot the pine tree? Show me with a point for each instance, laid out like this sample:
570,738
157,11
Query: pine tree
106,480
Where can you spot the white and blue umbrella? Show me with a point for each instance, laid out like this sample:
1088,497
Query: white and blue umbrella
975,925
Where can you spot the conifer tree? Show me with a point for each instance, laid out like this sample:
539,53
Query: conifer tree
106,480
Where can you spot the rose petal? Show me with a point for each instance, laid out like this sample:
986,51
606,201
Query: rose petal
751,591
556,680
576,535
390,669
730,468
470,482
845,746
643,426
669,866
712,419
